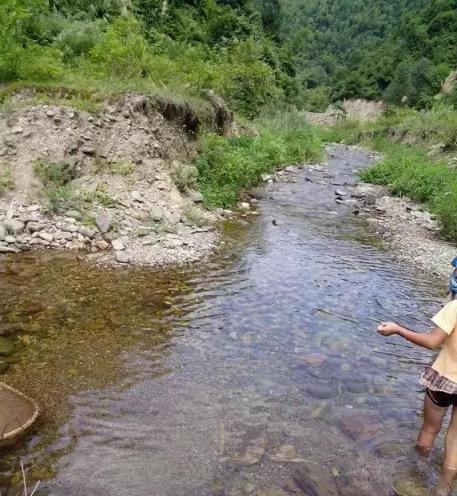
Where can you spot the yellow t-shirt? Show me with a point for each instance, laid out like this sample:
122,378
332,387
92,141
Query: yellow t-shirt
446,362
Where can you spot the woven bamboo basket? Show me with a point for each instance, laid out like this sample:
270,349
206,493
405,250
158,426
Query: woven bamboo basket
17,414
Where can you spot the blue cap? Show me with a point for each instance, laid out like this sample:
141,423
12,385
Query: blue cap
454,262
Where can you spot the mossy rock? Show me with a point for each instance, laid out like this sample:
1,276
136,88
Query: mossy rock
6,347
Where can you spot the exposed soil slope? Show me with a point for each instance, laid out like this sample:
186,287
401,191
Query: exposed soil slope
122,183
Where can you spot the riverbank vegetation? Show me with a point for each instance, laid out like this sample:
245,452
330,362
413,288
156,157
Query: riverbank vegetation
259,55
228,166
419,150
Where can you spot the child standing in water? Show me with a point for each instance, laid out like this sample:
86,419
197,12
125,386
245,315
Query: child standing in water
453,281
440,381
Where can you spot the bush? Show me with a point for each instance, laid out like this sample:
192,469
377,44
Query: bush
55,177
410,172
184,176
123,52
6,179
229,166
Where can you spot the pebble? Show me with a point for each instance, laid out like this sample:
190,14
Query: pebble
320,391
103,222
2,232
122,257
14,227
10,239
156,213
34,227
117,245
101,244
46,236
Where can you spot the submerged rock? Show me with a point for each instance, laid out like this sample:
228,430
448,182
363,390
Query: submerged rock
311,479
410,487
6,347
320,391
252,452
4,366
359,425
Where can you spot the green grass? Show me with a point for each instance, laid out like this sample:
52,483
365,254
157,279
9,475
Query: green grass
230,166
408,171
6,179
404,138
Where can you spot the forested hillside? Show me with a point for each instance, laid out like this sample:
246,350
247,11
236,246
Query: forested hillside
399,50
252,52
181,47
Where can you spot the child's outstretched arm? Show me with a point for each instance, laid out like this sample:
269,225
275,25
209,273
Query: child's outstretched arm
431,340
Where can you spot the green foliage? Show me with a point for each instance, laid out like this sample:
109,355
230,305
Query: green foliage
399,50
6,179
410,172
185,176
55,178
228,166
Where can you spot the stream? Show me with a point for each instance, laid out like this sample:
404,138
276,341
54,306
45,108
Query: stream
255,372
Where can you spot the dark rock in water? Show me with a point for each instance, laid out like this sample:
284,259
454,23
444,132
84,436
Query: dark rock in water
6,347
410,487
363,488
10,329
357,387
4,366
312,480
252,452
320,391
314,359
359,425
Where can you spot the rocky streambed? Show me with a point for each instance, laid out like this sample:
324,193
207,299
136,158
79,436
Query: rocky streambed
256,372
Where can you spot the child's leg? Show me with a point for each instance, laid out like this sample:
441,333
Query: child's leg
431,426
449,470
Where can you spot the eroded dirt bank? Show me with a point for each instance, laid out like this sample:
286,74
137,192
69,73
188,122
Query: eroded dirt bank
117,184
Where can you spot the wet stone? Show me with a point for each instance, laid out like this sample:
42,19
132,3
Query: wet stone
4,366
252,452
286,453
314,360
6,347
312,479
357,387
410,487
320,391
359,425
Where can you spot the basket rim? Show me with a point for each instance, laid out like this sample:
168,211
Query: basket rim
29,422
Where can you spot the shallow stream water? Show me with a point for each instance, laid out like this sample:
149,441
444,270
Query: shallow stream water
229,377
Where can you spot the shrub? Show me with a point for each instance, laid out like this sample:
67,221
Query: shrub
227,166
6,179
123,52
410,172
184,176
55,178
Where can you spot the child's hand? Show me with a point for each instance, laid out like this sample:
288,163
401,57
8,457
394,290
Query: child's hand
388,328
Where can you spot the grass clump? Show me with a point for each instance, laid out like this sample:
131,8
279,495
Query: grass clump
6,180
409,171
185,176
229,166
55,178
122,168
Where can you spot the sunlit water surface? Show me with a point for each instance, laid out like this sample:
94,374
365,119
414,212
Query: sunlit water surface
153,382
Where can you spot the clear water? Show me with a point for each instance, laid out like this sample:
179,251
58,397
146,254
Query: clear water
152,383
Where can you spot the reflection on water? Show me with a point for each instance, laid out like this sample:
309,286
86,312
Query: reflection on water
229,377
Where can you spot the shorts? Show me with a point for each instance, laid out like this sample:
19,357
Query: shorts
442,399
